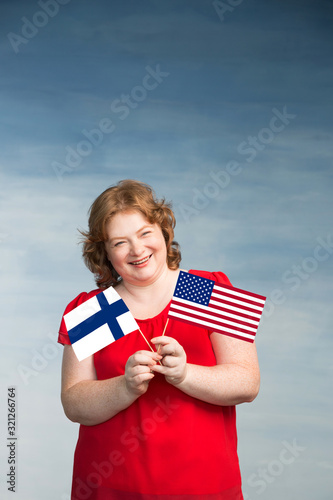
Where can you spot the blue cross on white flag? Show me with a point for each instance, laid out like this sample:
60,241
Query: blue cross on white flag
98,322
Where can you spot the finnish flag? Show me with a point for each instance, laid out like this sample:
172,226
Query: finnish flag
98,322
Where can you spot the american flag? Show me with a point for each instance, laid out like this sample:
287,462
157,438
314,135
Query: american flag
221,308
98,322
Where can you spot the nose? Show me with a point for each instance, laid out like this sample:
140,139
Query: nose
136,247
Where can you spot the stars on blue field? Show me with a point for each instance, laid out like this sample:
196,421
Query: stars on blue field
194,288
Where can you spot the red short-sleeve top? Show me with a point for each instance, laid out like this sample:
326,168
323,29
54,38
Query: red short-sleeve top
166,445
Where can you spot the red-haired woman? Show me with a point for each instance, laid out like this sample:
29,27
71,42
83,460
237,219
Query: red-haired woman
153,424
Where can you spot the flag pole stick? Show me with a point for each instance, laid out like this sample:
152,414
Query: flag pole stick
165,327
150,347
166,324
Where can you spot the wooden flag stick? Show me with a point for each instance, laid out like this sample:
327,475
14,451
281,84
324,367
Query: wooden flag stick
166,324
165,327
150,347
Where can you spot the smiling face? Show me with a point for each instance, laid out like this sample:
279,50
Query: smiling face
136,248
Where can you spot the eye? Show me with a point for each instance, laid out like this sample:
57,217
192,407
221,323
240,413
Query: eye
119,243
145,233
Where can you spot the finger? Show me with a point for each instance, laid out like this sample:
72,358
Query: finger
166,345
159,369
163,340
140,382
173,349
143,377
144,358
150,354
139,370
160,342
170,361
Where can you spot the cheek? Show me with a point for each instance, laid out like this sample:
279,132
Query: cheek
113,256
108,252
118,256
161,246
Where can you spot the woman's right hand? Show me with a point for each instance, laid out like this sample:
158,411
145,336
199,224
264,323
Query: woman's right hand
138,372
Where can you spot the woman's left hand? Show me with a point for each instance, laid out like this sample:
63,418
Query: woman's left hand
174,365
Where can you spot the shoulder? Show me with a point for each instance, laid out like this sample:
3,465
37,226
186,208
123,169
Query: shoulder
82,297
217,276
79,299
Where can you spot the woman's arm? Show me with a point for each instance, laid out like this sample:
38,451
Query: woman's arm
235,378
89,401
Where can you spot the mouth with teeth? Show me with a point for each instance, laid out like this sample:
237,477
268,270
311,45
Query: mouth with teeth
142,261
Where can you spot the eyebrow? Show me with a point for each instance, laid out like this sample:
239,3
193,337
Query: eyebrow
139,231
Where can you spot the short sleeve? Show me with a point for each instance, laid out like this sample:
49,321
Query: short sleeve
63,337
219,277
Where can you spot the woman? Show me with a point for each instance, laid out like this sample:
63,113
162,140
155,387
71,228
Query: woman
154,423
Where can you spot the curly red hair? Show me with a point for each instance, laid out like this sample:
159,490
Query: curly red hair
126,195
